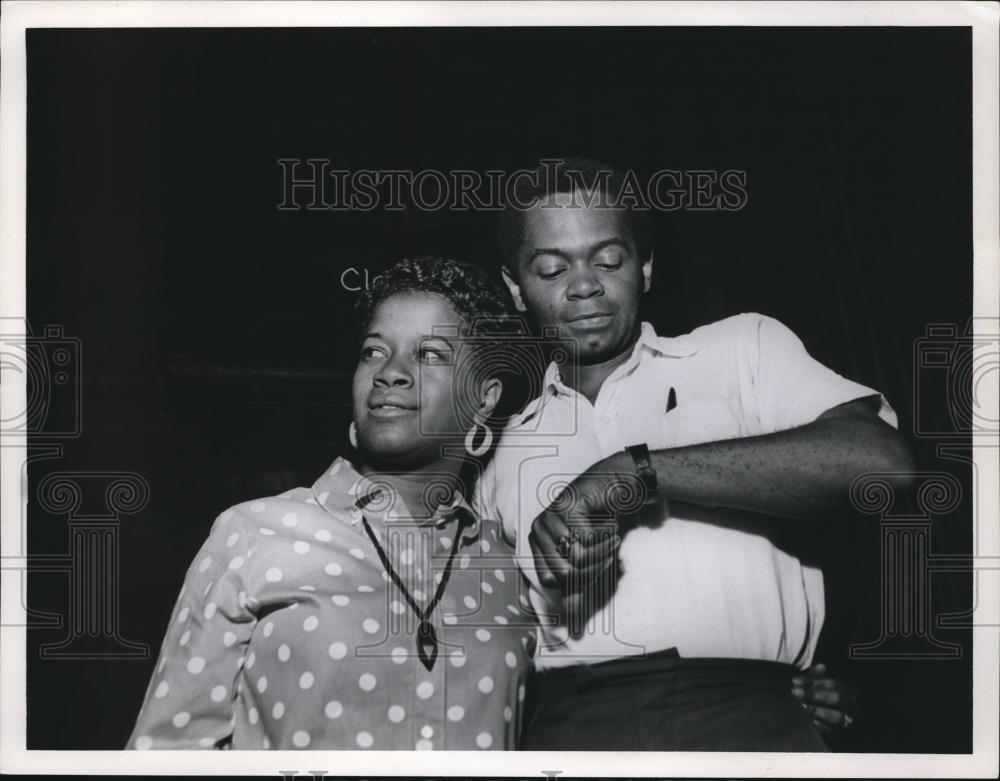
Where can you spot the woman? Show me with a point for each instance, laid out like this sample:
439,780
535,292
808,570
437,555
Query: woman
371,610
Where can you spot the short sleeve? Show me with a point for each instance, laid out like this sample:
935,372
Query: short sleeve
788,386
189,701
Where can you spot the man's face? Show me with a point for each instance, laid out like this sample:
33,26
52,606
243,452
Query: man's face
578,270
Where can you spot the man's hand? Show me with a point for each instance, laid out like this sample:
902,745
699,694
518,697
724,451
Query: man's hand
575,537
832,703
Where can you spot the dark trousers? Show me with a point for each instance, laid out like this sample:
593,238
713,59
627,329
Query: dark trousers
663,703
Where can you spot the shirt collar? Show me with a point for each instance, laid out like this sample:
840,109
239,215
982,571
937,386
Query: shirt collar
672,347
341,486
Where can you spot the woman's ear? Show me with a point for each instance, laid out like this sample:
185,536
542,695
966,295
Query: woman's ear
514,288
489,395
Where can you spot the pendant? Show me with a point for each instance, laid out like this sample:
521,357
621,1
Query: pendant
427,644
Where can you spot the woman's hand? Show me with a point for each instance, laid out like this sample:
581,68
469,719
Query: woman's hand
832,703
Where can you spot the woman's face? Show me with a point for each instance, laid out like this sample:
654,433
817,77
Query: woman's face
409,400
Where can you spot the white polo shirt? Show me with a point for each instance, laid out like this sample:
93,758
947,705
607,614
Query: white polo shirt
710,583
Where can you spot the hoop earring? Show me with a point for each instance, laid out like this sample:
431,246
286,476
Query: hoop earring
484,445
352,435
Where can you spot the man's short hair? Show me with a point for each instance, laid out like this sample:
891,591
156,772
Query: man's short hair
558,176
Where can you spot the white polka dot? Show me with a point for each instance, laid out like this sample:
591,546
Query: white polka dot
456,713
143,742
278,710
333,709
195,665
284,652
427,731
425,690
483,635
485,684
323,535
450,619
185,637
365,739
407,557
294,606
268,628
424,745
484,740
266,743
397,607
396,714
498,574
419,595
446,542
273,575
464,562
242,600
340,599
228,639
487,588
513,610
183,615
210,609
262,684
236,563
205,564
367,682
218,694
457,658
226,516
502,620
289,519
470,602
307,588
258,507
306,680
266,531
301,739
206,742
357,553
301,547
520,693
251,660
182,719
365,589
333,568
337,650
399,654
232,539
310,623
370,625
161,690
252,715
508,714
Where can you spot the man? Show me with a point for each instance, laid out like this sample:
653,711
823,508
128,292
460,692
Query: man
664,492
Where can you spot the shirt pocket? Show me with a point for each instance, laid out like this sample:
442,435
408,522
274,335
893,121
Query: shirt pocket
694,422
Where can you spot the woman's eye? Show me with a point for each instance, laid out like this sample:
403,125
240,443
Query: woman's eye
431,355
372,352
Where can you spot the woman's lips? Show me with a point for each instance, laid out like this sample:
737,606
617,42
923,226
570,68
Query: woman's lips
389,411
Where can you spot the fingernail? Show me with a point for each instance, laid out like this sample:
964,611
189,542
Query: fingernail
798,693
798,680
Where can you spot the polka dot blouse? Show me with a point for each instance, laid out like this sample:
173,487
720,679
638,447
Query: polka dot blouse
288,633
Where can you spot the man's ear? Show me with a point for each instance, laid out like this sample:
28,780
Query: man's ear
489,394
647,273
514,288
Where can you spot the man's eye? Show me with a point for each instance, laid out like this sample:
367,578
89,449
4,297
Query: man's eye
550,273
610,262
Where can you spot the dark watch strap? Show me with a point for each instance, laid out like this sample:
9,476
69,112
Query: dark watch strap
644,468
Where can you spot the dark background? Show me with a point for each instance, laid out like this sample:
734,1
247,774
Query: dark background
217,343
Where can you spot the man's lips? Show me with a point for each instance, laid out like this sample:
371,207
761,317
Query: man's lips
590,320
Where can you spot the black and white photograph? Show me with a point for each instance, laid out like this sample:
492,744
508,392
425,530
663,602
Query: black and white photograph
614,386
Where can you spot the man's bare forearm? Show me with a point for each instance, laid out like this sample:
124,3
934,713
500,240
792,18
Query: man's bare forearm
805,472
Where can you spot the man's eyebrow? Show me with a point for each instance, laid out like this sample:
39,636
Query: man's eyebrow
615,242
612,242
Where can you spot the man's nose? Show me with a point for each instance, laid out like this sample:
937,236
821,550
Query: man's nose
394,373
584,284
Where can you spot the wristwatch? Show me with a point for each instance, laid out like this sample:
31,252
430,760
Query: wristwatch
646,473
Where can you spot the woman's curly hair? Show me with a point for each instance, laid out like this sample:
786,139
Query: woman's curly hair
473,292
